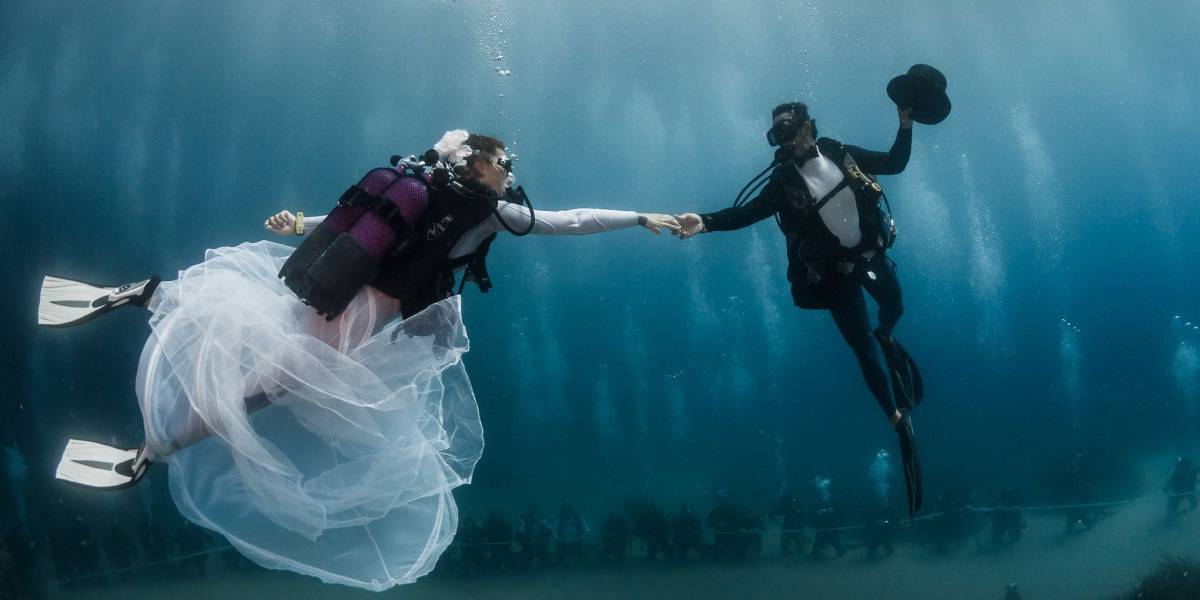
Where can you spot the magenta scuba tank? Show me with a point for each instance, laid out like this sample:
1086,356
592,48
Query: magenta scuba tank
344,252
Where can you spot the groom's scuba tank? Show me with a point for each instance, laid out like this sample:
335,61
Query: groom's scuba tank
344,252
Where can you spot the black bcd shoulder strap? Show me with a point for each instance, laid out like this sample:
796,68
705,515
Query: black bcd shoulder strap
476,266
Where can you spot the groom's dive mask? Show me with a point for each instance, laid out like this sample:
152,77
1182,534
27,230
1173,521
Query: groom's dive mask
785,130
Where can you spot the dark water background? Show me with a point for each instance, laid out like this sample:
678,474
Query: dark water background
133,135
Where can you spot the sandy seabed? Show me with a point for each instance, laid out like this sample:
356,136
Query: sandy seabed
1099,563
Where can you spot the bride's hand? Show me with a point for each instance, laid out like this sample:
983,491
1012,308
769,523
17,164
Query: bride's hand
654,222
281,223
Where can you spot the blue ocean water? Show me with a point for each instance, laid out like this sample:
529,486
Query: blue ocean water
1043,250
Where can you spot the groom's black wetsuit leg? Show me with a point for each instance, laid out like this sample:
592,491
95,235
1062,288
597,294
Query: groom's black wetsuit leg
885,289
850,314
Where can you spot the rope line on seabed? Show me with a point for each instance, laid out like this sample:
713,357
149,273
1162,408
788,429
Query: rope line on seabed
973,509
144,565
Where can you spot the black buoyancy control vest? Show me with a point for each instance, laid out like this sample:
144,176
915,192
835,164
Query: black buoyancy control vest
420,271
410,262
807,235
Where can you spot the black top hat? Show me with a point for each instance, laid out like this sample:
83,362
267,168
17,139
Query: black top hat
923,89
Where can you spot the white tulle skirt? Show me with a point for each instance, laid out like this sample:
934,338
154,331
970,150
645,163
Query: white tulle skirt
329,448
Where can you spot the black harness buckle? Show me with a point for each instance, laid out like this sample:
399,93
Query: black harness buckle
352,197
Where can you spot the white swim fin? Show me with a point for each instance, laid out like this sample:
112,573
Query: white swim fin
101,467
65,302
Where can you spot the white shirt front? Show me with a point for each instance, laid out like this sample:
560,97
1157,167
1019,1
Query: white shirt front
840,214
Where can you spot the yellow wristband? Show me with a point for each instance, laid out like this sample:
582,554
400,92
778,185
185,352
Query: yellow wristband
299,223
